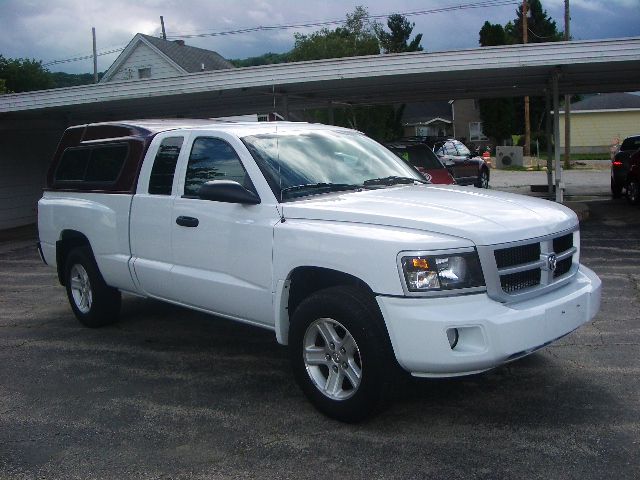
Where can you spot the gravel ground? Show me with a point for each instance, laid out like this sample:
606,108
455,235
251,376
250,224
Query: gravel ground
170,393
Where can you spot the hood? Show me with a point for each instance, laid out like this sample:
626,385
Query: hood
485,217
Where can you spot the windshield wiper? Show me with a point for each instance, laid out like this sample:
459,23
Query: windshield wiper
392,180
324,187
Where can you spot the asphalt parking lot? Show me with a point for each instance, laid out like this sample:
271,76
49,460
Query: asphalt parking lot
170,393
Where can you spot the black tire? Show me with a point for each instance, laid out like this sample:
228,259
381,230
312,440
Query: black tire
633,192
352,311
93,302
483,179
616,190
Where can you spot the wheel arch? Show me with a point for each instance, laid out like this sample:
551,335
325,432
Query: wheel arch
301,282
69,239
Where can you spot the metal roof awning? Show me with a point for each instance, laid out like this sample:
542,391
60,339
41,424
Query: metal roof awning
513,70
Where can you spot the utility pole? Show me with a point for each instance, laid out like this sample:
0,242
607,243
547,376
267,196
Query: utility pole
567,97
164,33
95,56
527,124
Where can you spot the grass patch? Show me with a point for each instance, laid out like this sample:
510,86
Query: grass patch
587,156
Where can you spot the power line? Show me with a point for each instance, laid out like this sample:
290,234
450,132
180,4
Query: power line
326,23
83,57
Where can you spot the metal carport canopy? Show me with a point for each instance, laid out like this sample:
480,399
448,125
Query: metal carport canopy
513,70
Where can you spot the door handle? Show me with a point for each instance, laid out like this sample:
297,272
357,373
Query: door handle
187,221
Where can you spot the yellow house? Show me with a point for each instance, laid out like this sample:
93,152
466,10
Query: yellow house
600,121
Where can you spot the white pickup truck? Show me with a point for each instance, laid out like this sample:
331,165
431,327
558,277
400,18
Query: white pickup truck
316,233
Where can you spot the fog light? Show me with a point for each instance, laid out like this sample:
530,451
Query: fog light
452,336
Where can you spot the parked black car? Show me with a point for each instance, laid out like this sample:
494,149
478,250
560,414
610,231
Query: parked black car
466,168
620,165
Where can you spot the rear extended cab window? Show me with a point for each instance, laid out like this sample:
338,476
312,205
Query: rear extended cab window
95,165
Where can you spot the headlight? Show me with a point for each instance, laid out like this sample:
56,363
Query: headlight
425,273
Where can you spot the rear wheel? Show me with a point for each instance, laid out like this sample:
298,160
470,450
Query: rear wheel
633,192
93,302
483,179
340,353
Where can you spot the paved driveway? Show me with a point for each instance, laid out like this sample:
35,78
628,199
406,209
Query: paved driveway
169,393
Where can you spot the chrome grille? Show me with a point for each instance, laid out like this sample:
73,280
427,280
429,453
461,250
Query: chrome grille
524,269
563,243
508,257
517,281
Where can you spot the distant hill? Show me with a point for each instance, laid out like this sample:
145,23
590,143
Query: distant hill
62,79
266,59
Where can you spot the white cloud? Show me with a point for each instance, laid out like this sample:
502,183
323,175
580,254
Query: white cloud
62,28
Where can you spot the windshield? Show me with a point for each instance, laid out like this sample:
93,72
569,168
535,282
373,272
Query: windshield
298,164
419,156
631,143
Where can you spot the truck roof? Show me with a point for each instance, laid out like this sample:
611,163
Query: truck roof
136,135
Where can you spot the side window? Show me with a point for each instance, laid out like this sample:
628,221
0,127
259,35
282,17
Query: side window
164,166
213,159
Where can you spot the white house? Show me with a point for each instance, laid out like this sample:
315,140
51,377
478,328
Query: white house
153,57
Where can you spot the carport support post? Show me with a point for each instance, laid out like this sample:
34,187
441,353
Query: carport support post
330,112
285,106
548,131
556,138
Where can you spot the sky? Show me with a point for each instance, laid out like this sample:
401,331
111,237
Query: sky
50,30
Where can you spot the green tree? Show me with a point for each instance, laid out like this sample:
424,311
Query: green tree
397,39
541,28
357,37
24,75
492,34
3,86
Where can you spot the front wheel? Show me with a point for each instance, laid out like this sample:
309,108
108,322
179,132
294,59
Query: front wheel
633,192
340,353
93,302
483,179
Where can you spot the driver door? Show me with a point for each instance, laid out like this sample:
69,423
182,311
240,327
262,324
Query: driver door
222,252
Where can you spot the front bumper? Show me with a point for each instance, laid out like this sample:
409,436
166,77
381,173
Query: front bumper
489,333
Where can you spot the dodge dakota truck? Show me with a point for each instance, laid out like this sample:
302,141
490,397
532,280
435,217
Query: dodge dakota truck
320,235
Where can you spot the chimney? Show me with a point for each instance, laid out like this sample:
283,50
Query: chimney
179,42
202,67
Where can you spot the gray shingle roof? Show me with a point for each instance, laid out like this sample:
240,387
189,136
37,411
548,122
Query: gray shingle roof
189,58
608,101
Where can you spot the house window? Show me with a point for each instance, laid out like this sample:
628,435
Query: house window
475,131
144,72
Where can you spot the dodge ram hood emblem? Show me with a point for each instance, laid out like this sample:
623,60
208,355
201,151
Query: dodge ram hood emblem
552,262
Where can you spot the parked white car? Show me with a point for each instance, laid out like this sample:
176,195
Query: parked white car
319,234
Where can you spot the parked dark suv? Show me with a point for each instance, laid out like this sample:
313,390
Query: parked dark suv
466,168
620,166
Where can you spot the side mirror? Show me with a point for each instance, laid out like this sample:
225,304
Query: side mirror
227,191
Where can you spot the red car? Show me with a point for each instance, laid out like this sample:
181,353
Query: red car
422,158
